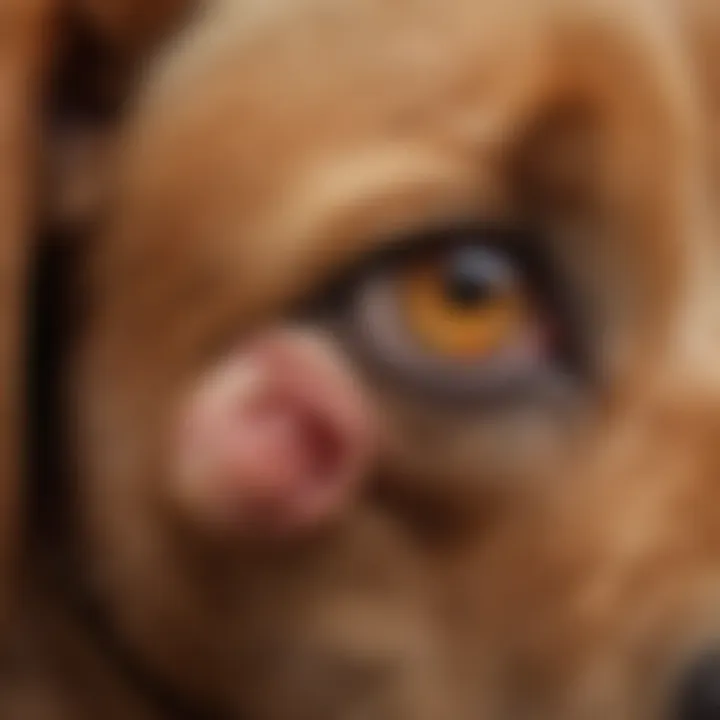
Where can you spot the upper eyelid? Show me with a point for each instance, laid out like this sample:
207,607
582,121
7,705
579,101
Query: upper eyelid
412,245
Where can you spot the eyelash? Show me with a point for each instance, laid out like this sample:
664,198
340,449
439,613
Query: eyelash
518,242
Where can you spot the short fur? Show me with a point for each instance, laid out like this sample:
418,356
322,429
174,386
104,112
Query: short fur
279,141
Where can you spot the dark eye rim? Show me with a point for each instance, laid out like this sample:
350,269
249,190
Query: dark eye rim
549,285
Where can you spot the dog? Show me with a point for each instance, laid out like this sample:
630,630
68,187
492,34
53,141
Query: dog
403,248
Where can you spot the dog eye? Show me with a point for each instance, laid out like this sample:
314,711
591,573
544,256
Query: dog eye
467,314
464,303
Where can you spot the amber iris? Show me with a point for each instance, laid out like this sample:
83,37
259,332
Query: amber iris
464,303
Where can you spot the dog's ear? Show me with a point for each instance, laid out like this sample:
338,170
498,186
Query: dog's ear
28,34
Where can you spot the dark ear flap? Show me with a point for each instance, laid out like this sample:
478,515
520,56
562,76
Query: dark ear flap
25,49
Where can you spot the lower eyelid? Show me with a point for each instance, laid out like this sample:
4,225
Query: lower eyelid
377,317
381,340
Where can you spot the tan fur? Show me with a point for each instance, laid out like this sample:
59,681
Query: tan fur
280,140
620,596
703,30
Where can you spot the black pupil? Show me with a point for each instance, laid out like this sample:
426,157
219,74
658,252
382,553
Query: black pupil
473,276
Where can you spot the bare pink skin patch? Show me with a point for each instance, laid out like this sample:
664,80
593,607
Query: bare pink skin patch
276,438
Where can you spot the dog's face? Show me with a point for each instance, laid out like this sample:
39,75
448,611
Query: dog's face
429,255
